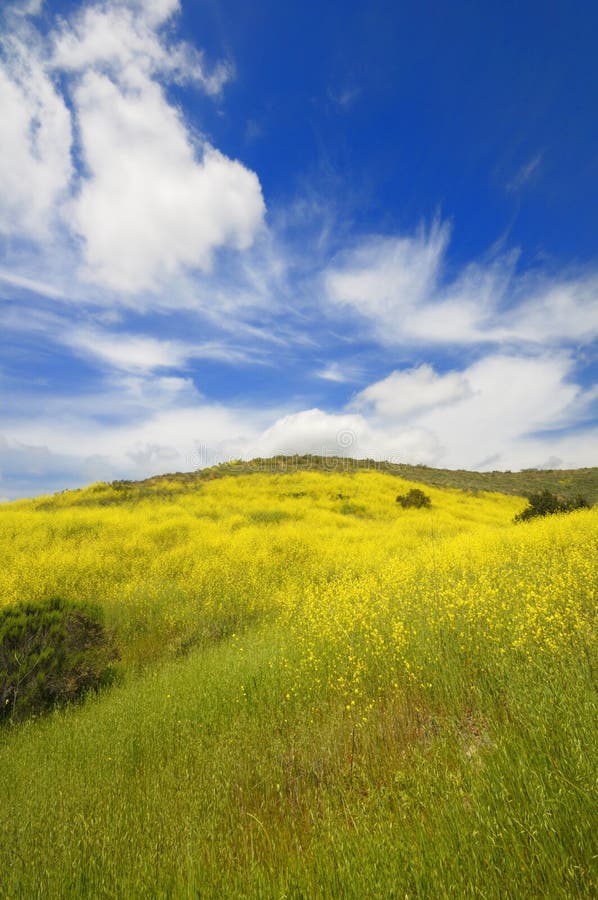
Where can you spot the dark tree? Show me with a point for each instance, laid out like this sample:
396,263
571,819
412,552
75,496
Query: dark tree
415,499
543,503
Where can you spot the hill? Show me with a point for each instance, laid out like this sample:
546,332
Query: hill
320,693
564,482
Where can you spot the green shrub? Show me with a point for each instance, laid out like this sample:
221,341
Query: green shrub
51,653
415,498
543,503
578,502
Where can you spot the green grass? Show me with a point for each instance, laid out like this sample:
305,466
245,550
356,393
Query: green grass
198,780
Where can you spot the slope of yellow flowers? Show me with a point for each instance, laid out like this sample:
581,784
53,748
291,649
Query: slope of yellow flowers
353,699
352,575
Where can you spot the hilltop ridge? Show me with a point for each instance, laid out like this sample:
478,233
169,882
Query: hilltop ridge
564,482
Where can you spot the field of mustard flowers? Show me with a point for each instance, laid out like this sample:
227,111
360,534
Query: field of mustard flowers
320,694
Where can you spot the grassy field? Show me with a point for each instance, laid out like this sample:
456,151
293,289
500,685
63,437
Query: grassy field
321,694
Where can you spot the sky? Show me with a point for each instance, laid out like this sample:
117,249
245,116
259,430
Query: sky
233,229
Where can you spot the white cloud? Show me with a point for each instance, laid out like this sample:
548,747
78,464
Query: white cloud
405,393
129,352
397,286
310,431
496,408
31,285
511,398
125,40
514,410
341,434
157,11
384,278
555,310
139,353
148,207
152,200
170,436
339,372
35,146
25,7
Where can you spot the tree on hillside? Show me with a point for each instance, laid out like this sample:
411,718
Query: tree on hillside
414,499
543,503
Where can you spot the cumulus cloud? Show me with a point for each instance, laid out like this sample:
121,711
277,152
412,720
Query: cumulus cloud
344,434
310,431
404,393
150,199
511,399
510,409
155,199
149,207
505,410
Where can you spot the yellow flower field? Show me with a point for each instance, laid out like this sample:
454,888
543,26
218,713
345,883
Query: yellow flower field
368,694
335,555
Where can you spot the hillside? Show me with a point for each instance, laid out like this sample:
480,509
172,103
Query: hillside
319,694
564,482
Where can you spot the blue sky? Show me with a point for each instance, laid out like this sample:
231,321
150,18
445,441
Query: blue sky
231,229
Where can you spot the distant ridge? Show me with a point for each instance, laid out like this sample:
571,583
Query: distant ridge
564,482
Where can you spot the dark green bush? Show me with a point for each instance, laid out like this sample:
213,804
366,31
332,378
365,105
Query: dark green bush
415,499
578,502
51,653
543,503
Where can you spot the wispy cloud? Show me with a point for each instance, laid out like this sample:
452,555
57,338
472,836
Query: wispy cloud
345,97
525,174
340,372
398,286
140,353
31,285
